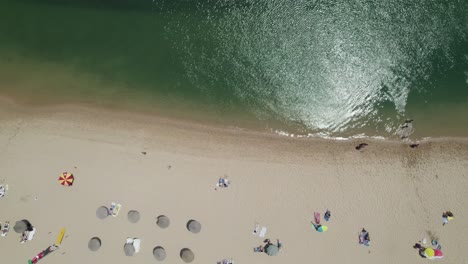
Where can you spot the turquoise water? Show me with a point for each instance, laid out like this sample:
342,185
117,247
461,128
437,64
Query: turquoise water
326,68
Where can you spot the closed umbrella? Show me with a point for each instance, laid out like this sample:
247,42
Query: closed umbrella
94,244
159,253
194,226
187,255
102,212
129,249
272,250
163,221
133,216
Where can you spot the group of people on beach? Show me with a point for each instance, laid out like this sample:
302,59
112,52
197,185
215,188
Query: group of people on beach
405,130
316,223
435,250
268,243
364,238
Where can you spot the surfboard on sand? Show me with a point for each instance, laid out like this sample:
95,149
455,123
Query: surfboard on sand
60,237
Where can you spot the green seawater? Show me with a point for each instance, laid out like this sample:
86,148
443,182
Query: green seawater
318,68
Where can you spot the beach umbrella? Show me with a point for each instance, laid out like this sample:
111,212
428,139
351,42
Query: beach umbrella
102,212
159,253
438,253
129,249
321,228
20,227
429,253
194,226
94,244
163,221
133,216
23,225
187,255
272,250
66,179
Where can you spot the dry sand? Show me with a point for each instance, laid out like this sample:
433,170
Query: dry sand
397,193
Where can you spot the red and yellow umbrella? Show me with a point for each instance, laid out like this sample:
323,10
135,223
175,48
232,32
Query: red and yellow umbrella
66,179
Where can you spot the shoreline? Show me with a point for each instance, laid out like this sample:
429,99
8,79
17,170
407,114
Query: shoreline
277,182
116,113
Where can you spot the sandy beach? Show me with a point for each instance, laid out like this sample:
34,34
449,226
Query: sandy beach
397,193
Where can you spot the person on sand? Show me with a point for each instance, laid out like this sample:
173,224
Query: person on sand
259,249
279,244
444,219
327,215
421,252
360,146
449,215
364,238
316,226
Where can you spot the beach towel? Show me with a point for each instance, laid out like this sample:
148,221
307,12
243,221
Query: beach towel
115,209
263,232
137,244
3,190
6,228
317,218
31,234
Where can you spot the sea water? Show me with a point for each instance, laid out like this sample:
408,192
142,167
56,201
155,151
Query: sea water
304,67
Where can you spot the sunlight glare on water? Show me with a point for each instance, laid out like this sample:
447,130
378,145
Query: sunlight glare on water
329,66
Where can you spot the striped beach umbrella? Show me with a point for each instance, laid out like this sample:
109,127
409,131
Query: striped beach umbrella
66,179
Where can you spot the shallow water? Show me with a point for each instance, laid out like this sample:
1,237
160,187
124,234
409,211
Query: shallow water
340,68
